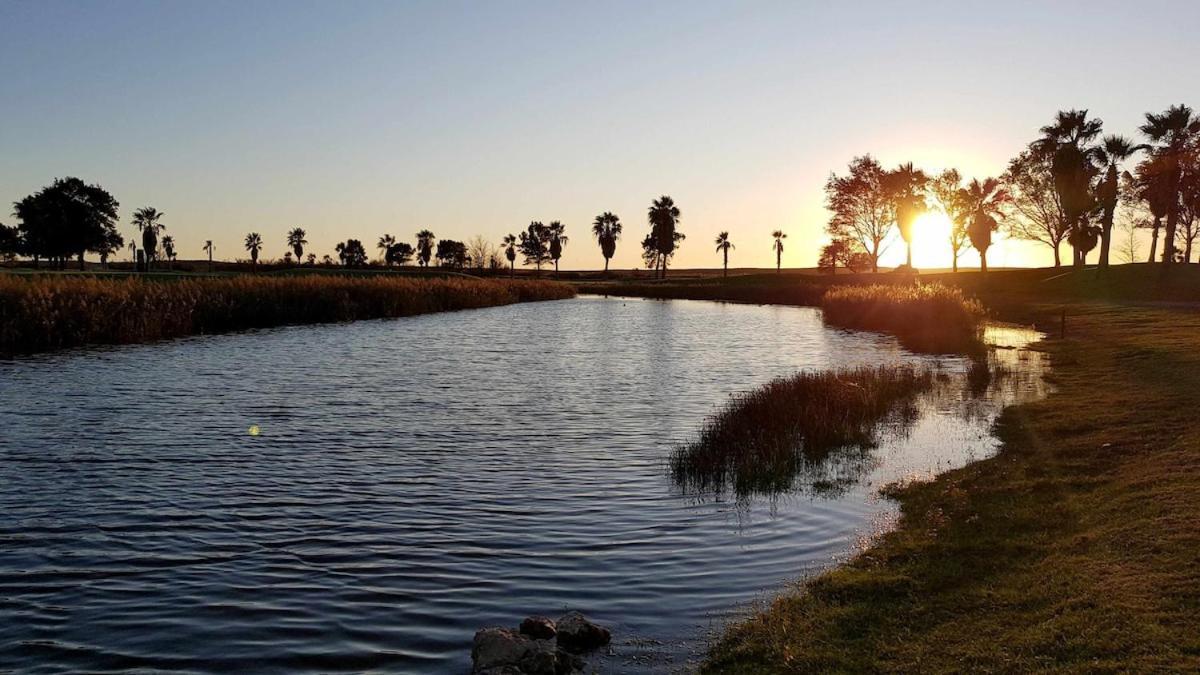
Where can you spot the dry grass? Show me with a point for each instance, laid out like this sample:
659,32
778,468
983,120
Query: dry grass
925,317
42,313
763,440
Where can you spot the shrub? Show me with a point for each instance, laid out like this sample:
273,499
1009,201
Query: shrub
926,317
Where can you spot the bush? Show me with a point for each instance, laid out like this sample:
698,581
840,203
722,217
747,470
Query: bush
926,317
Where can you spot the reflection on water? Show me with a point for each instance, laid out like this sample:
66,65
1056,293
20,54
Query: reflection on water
415,479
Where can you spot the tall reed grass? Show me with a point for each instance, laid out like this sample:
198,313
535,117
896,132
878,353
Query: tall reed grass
42,313
762,441
925,317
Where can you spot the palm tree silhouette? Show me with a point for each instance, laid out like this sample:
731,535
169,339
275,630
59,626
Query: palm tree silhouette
1151,186
907,187
425,241
1112,151
168,244
1068,141
1174,132
147,219
254,243
664,218
607,229
723,246
296,241
778,248
984,200
208,248
557,241
510,252
385,244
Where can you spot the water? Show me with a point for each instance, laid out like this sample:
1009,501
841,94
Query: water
416,479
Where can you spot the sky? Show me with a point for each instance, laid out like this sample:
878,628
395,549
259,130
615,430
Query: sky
356,119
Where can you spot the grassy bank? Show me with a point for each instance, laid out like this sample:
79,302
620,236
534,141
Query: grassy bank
42,313
1076,548
764,439
926,317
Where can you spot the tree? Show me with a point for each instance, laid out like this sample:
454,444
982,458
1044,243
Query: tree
168,245
352,253
451,253
148,222
664,219
1174,133
425,241
1083,239
296,241
1189,203
254,244
986,200
312,259
1068,141
510,252
326,260
777,246
399,254
112,242
10,242
723,246
1035,211
481,252
385,244
906,187
861,206
558,239
1128,247
1112,151
946,189
1151,186
535,245
607,230
208,248
67,218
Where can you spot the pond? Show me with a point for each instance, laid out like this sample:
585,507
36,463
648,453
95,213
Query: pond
410,481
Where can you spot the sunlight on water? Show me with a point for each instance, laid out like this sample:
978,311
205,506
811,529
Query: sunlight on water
424,477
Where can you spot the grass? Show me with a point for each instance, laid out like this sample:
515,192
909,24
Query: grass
1075,549
47,312
926,317
761,441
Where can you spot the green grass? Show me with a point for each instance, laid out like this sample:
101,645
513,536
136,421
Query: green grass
48,312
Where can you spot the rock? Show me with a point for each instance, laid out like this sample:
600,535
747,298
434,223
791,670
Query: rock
577,634
538,628
501,651
567,662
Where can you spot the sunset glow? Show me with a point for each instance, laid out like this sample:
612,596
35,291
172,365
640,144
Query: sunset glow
931,240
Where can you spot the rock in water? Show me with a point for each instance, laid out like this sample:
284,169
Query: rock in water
538,628
501,651
578,634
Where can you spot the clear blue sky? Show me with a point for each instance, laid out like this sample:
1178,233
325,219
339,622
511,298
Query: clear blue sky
360,118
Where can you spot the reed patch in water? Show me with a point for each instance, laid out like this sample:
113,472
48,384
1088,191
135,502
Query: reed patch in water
762,441
925,317
43,313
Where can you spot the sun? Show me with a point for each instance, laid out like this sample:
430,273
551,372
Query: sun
931,240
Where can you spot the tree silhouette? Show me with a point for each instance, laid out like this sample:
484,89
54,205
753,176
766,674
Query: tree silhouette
67,218
535,245
777,246
558,239
946,189
451,253
208,248
510,252
296,241
861,206
111,243
10,242
1112,151
1152,186
398,253
168,245
664,219
985,199
1173,133
723,246
1035,209
385,244
425,241
254,244
1068,140
906,186
607,230
352,253
147,219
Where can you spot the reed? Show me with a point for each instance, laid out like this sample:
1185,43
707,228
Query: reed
762,441
925,317
43,313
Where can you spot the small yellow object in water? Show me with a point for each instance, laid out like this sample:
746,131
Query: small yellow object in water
254,430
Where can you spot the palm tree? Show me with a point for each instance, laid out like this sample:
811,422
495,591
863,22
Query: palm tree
1084,239
723,246
1069,140
1173,132
1112,151
906,187
208,248
254,244
557,241
664,218
607,229
147,219
778,248
984,200
425,241
168,244
510,252
296,241
385,244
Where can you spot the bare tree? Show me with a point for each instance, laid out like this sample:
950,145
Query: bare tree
1034,211
862,207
